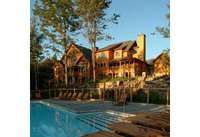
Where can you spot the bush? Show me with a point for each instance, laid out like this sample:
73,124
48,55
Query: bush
140,96
156,98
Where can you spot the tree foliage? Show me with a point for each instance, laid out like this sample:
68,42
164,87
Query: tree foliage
36,49
165,31
94,19
166,57
44,73
58,21
151,68
36,39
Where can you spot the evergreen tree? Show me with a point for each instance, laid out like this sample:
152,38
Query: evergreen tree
36,49
58,23
93,18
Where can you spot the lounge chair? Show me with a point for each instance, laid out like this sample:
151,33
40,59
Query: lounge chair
79,96
38,96
59,96
102,134
73,96
136,130
64,96
86,96
68,96
154,116
121,100
161,125
161,115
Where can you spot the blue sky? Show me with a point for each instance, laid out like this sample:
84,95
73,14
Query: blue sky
137,17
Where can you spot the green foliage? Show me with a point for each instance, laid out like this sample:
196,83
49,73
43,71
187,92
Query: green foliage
113,80
165,31
140,96
157,98
154,97
166,57
151,68
58,21
44,72
36,39
54,58
93,19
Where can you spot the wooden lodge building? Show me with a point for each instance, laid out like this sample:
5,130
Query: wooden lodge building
125,59
79,66
160,69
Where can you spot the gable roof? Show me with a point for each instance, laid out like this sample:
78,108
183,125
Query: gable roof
86,52
112,46
126,45
158,56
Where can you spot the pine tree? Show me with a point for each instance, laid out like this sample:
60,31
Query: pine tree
36,49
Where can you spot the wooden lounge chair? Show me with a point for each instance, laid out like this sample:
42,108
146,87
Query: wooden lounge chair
38,96
64,96
73,96
86,96
59,96
149,122
68,95
102,134
153,116
121,100
136,130
79,96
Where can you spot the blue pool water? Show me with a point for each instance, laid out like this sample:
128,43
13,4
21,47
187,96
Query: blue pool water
48,121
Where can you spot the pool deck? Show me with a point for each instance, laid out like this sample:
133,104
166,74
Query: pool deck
89,107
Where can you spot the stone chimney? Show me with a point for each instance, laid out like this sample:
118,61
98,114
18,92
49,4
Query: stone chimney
141,51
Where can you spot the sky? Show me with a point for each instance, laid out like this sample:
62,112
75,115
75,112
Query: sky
137,17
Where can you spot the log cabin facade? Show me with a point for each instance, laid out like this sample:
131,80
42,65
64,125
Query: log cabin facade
160,69
79,66
125,59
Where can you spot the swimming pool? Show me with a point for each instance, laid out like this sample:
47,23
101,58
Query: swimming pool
50,121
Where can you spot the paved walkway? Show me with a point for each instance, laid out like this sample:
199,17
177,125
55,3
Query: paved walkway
87,107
